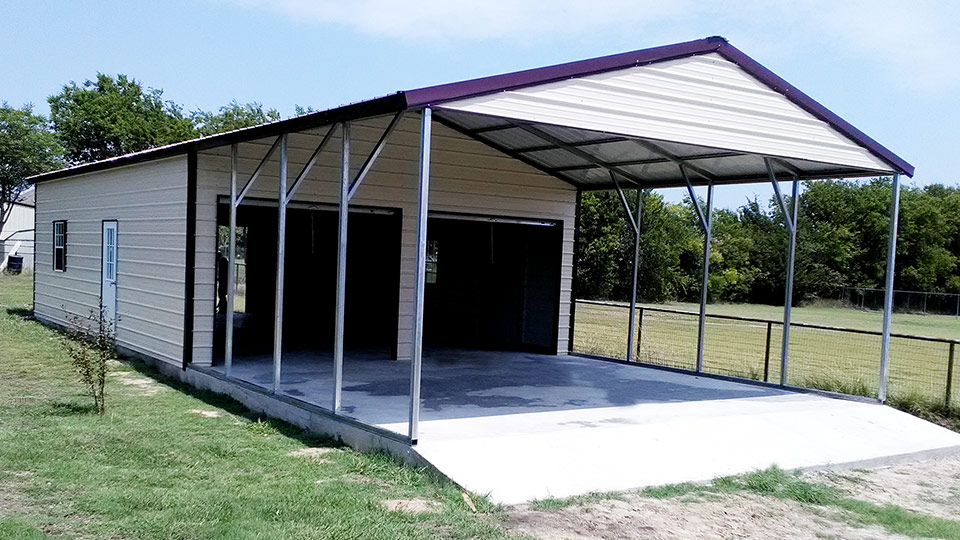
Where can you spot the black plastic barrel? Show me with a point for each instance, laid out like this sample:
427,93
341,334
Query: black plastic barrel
15,264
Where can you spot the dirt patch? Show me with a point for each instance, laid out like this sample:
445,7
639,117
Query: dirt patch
931,487
207,414
412,506
11,501
720,517
144,386
366,480
315,454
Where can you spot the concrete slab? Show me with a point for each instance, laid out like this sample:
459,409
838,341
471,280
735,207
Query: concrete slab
522,426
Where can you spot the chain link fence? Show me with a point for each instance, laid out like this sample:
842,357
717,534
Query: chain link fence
830,358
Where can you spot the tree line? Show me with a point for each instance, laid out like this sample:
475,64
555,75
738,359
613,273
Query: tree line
841,242
104,117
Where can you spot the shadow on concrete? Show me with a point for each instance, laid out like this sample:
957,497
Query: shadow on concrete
464,383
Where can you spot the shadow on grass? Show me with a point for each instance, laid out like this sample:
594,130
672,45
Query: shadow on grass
233,407
69,408
21,312
377,462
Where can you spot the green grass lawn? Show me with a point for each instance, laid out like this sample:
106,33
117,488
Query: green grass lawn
167,461
819,358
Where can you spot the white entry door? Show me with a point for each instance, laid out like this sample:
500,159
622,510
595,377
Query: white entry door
108,271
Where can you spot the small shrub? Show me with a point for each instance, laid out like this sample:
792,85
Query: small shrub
90,345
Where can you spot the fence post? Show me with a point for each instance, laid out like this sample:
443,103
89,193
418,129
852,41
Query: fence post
639,331
949,375
766,355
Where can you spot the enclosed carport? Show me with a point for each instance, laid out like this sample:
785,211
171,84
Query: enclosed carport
408,262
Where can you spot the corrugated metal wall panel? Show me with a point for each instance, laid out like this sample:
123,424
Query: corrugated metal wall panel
466,176
703,100
148,201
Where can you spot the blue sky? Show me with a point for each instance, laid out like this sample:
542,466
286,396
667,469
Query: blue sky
888,67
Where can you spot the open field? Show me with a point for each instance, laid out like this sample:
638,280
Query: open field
943,326
822,358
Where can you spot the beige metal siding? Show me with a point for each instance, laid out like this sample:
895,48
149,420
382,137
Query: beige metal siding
466,176
149,203
704,100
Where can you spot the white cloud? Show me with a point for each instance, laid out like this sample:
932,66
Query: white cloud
912,42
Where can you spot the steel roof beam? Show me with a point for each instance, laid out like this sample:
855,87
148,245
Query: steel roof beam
259,169
544,147
372,158
311,162
657,149
580,153
501,148
652,161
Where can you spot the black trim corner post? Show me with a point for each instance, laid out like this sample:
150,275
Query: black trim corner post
888,289
190,259
423,198
281,255
574,286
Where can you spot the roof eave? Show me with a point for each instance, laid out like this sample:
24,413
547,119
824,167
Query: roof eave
375,107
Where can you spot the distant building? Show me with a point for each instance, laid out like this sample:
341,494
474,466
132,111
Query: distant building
16,238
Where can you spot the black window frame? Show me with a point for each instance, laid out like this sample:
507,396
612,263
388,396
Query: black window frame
60,262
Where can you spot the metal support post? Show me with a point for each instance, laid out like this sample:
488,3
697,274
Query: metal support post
639,330
231,261
281,252
633,218
423,192
636,258
950,357
788,292
706,222
344,212
888,291
790,222
707,240
766,354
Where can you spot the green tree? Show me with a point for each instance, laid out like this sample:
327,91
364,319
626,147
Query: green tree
600,250
109,117
27,147
233,116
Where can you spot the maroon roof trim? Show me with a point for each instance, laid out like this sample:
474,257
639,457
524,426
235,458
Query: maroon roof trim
497,83
433,95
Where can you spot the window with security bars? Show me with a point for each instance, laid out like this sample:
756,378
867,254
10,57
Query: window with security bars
59,246
111,254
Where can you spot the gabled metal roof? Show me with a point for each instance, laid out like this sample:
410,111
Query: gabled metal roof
569,124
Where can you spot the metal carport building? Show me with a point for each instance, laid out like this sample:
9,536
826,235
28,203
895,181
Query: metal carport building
444,214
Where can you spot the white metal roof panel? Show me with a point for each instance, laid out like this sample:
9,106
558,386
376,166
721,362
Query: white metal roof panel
702,100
